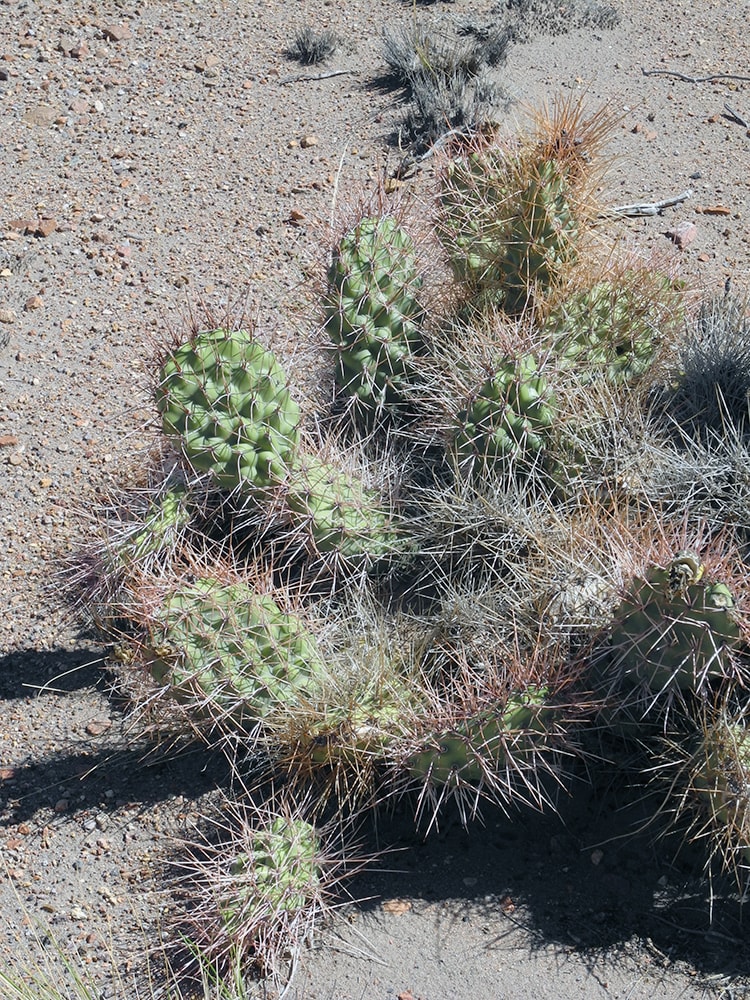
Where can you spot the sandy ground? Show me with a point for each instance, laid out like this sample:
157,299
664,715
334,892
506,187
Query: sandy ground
157,157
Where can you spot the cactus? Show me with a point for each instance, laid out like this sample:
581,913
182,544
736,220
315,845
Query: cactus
674,631
224,398
231,655
719,787
509,419
278,873
487,748
338,513
510,226
615,327
373,315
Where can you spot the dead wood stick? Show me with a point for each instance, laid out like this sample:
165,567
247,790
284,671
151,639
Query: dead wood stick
318,76
692,79
735,116
648,207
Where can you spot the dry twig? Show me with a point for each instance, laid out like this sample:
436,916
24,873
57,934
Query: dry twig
648,207
692,79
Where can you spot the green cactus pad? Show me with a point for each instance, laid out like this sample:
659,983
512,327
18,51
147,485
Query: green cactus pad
372,312
340,514
674,630
485,741
509,419
232,654
614,328
278,875
510,227
225,399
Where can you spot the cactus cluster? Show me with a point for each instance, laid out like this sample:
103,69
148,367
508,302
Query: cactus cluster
428,601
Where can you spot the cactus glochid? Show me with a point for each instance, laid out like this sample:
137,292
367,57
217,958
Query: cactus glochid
225,399
674,630
230,654
373,314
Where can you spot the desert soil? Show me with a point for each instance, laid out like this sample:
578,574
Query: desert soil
156,159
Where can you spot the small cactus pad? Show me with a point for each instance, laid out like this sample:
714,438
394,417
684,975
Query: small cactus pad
231,653
279,875
674,630
481,746
720,786
372,312
509,419
225,398
614,328
542,239
509,225
340,514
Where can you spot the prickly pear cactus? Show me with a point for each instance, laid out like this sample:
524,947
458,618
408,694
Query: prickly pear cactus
473,221
719,787
674,631
613,328
224,399
481,747
339,514
373,314
542,238
231,655
278,876
508,422
509,223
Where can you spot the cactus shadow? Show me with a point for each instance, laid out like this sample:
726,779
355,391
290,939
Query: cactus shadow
596,880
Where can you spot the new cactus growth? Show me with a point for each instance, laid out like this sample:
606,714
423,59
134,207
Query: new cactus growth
277,874
508,422
340,515
224,399
674,631
231,655
373,314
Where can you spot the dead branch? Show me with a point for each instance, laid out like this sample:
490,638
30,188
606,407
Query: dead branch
692,79
648,207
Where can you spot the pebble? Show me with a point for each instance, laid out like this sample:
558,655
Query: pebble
7,316
41,115
308,140
35,302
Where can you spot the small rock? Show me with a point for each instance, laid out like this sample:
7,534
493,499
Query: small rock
35,302
76,913
45,227
117,32
597,857
683,234
78,106
7,441
41,115
7,316
95,727
16,458
61,805
308,140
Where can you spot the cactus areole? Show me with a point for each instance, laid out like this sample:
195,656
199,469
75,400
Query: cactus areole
673,629
225,399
